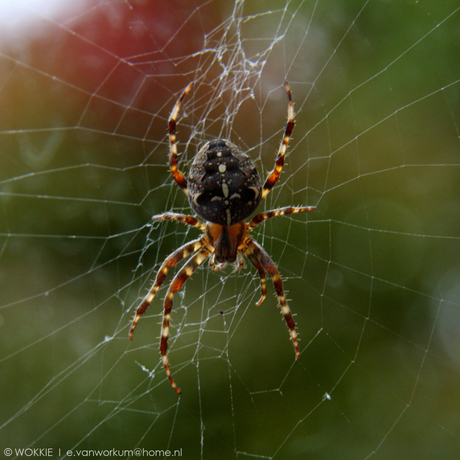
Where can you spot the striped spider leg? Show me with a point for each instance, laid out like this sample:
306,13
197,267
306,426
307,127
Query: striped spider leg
170,261
263,216
176,174
201,249
279,160
261,260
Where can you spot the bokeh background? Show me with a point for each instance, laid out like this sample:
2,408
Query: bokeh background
372,274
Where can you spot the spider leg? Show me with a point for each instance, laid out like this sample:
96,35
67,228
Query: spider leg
183,274
279,161
249,253
185,219
271,269
177,175
169,263
212,263
263,216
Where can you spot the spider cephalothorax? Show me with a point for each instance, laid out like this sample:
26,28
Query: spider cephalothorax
223,188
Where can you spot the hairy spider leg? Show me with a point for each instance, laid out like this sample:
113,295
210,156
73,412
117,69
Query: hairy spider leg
279,161
183,218
249,253
182,275
271,269
263,216
177,175
170,262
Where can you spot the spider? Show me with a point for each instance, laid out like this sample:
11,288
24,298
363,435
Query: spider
223,188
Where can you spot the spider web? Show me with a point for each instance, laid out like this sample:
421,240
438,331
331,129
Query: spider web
372,274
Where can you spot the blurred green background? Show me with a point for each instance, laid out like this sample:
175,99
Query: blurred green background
372,274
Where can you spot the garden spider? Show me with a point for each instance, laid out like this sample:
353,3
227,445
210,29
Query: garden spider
223,188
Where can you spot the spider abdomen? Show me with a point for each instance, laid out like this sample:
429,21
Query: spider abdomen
223,184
